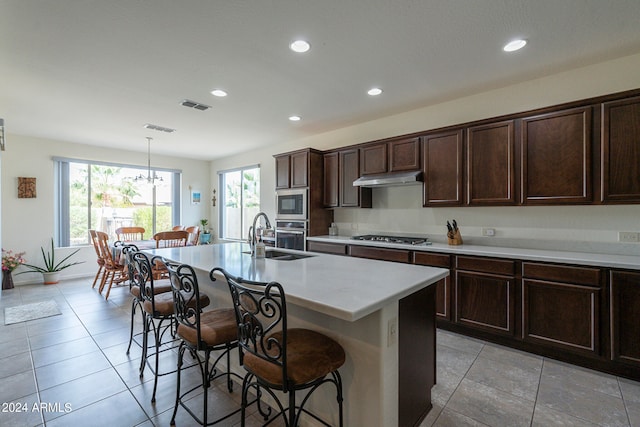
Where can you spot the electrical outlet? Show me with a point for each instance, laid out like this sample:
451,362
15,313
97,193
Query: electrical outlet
627,237
392,331
490,232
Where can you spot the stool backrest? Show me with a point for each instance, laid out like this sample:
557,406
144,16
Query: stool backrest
261,314
142,276
128,249
186,298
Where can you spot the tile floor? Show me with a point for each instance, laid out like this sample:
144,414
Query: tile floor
78,359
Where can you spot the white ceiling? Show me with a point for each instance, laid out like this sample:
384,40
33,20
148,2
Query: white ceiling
95,71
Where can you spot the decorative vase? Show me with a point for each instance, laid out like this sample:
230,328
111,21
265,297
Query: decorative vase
205,238
7,280
51,277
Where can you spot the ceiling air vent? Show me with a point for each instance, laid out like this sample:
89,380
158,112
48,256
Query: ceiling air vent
193,104
158,128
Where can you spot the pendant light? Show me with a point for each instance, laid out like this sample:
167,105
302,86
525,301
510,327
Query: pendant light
151,177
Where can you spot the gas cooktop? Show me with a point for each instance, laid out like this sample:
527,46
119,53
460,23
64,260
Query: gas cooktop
393,239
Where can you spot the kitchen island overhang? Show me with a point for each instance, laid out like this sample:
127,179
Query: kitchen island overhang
383,314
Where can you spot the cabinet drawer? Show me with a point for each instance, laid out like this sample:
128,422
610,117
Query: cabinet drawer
432,260
562,273
327,248
486,265
396,255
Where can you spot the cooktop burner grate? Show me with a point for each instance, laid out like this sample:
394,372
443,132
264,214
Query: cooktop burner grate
393,239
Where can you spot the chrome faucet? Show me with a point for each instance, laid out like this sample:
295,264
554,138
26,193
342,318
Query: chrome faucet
252,231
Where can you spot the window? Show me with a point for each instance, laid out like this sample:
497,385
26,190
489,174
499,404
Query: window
239,201
104,196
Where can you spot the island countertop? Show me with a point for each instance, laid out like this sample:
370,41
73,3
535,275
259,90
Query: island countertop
343,287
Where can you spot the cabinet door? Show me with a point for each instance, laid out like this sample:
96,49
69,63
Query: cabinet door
490,164
621,151
625,327
561,315
442,163
373,159
557,158
351,196
327,248
404,155
282,171
300,169
443,286
485,302
331,176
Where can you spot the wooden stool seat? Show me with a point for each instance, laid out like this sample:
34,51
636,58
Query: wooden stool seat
310,356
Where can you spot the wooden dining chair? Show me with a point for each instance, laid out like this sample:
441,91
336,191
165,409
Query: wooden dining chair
114,270
99,258
178,228
171,239
168,239
194,235
129,234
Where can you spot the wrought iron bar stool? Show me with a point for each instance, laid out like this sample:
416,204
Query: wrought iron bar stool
276,357
158,316
199,331
128,249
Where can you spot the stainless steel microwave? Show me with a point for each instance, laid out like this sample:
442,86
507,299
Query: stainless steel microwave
291,204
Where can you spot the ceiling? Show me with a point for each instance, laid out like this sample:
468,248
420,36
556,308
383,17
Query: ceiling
94,72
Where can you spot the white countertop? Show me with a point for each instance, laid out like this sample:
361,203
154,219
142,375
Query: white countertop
343,287
565,257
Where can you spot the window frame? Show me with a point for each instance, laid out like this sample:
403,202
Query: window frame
222,193
62,218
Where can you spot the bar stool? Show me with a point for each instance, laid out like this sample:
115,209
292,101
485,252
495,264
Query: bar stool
199,331
128,249
276,357
158,316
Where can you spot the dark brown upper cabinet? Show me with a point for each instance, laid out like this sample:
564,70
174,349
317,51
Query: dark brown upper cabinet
292,170
392,156
621,151
331,175
442,160
557,157
491,177
341,168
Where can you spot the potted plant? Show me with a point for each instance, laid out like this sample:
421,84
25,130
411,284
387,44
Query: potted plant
51,270
205,235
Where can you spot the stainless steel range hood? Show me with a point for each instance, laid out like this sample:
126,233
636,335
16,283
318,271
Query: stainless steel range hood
389,179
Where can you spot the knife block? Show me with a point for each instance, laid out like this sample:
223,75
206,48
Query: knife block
454,238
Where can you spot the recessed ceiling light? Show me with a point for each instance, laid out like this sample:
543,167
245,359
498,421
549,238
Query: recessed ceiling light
295,118
300,46
219,93
514,45
374,91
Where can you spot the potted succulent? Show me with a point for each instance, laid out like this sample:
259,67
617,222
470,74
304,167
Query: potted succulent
51,270
205,235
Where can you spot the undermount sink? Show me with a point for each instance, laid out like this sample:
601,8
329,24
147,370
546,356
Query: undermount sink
282,256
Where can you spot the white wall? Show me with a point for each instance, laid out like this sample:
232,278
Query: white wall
399,209
28,224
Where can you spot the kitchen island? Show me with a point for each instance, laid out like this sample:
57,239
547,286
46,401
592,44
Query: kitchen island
383,314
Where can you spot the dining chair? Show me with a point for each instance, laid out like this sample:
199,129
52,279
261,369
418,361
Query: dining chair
178,228
277,357
129,234
201,333
99,258
114,270
194,235
171,239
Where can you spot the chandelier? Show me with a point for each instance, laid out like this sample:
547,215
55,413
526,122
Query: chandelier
151,177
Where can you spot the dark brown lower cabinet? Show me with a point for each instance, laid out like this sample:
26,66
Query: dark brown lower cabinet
625,312
485,301
561,315
383,254
561,306
443,286
327,248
